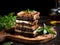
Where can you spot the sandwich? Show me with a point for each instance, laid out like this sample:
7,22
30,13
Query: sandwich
27,22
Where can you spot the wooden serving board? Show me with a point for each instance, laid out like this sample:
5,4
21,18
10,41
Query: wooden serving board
20,38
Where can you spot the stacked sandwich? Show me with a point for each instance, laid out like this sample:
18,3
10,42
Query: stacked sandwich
27,22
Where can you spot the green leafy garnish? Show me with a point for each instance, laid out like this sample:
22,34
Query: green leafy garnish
7,21
7,43
45,29
48,28
28,10
39,30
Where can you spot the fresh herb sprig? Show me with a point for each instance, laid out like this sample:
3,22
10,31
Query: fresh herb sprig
7,43
7,21
45,29
28,10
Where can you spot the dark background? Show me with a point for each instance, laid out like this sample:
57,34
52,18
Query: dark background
43,6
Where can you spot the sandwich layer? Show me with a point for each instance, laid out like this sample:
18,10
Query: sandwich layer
27,27
27,22
29,15
28,18
20,31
